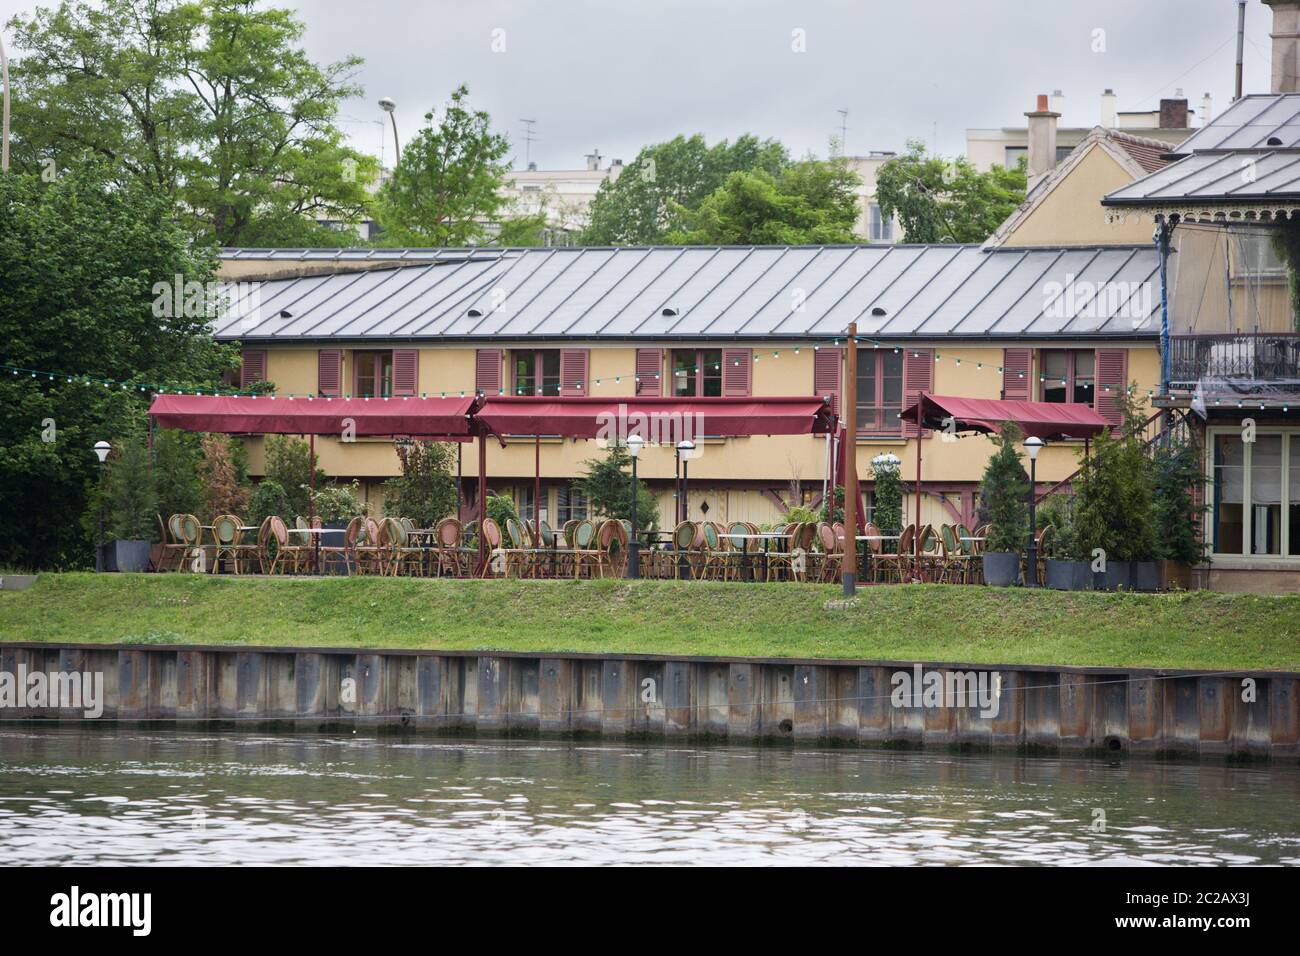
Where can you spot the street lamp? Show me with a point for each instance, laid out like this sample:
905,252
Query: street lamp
634,445
388,105
684,449
102,448
1033,446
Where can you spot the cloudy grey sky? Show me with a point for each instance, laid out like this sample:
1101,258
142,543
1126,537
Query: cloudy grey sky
617,74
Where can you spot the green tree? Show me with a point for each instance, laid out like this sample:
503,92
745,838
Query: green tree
447,186
132,495
176,458
643,205
211,103
888,511
289,464
609,489
1176,474
425,492
1115,499
812,201
1004,490
938,200
78,260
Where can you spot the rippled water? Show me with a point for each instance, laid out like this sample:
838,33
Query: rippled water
182,798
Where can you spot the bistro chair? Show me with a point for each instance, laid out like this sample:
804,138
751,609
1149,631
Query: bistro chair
449,555
683,539
173,548
291,555
225,535
346,552
191,535
583,550
370,549
402,552
832,559
898,565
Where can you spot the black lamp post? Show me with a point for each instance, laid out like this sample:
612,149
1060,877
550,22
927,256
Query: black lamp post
1033,446
684,449
102,448
634,445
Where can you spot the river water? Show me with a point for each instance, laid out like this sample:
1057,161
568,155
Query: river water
98,797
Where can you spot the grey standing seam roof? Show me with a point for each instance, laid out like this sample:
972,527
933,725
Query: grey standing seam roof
701,293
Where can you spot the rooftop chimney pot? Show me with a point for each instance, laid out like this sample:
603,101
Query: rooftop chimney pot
1286,45
1042,141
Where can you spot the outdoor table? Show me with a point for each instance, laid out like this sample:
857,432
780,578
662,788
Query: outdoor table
766,537
314,536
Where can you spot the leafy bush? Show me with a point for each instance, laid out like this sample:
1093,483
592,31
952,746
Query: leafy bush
609,489
289,464
268,499
500,508
1058,512
1176,472
1115,493
425,492
832,515
801,514
888,512
340,502
1004,488
176,474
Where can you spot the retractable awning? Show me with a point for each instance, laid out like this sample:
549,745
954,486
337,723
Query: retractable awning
1049,421
654,419
416,417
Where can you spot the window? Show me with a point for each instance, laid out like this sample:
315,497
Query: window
880,391
1068,375
1256,495
879,228
697,373
536,372
372,374
1257,256
524,503
570,504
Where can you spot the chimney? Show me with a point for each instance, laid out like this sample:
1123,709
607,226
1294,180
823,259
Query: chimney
615,169
1207,109
1173,112
1108,109
1042,140
1286,45
593,160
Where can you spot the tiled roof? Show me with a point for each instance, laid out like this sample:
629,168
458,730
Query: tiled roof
713,293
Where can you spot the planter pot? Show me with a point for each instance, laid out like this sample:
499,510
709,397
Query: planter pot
1175,576
1001,568
1146,576
125,556
1068,575
1118,574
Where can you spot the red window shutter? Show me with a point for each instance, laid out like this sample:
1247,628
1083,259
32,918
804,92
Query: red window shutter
487,371
329,372
252,367
1017,382
737,372
406,372
573,372
1112,379
827,367
649,369
918,377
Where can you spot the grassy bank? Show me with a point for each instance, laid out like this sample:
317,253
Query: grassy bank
1189,630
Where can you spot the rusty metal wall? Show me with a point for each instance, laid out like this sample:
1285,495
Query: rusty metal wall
735,700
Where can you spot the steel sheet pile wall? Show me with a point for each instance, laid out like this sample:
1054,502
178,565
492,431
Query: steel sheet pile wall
845,702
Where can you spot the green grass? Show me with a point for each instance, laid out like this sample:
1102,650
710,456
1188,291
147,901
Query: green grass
913,622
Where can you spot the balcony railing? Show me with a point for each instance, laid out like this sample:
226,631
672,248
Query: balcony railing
1236,356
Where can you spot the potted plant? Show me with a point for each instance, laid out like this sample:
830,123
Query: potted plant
1065,569
131,503
1113,506
1177,473
1003,489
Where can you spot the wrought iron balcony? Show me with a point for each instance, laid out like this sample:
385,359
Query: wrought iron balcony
1239,357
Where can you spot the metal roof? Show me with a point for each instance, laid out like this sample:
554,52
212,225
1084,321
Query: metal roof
1258,121
1235,176
708,292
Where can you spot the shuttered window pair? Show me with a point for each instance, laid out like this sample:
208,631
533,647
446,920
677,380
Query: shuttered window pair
1074,375
376,374
534,372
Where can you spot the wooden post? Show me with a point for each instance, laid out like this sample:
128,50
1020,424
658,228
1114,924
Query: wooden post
482,497
849,568
537,487
916,537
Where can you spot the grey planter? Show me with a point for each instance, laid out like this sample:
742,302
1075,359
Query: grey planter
1068,575
336,537
1146,576
1118,574
125,556
1001,568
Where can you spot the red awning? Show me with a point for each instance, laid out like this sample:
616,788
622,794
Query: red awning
446,418
1045,420
660,420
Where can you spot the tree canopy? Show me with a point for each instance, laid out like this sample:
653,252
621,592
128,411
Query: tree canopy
446,188
649,198
812,201
80,257
938,200
211,103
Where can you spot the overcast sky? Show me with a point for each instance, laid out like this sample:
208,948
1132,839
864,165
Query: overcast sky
617,74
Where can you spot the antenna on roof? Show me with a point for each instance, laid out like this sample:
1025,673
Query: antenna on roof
844,131
1241,39
529,139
